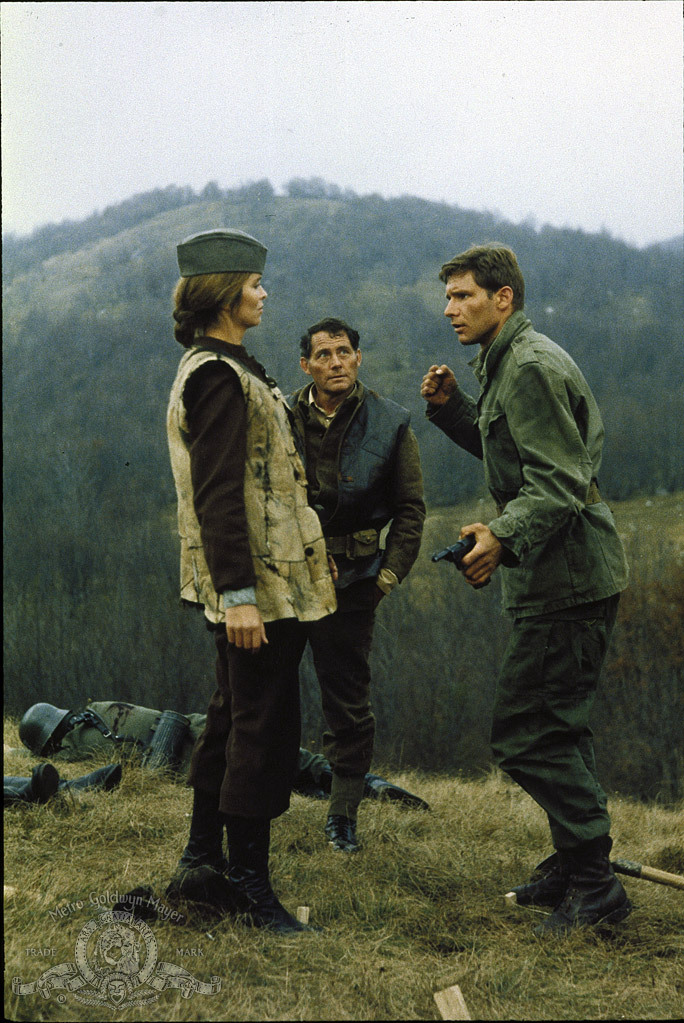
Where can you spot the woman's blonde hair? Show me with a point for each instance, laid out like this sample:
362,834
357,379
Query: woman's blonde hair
199,300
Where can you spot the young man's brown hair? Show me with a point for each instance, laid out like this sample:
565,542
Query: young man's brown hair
493,266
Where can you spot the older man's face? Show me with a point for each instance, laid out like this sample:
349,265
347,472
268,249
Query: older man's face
333,364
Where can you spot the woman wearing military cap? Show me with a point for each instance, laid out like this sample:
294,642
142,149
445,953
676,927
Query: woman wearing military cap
253,556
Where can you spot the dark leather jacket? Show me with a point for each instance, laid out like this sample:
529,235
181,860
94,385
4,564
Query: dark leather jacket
363,472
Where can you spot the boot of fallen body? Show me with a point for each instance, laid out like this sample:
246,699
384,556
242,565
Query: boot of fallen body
376,787
45,782
315,781
40,787
103,778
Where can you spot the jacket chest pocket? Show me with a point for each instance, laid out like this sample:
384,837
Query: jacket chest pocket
365,466
502,465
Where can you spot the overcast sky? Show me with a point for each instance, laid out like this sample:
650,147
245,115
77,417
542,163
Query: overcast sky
568,112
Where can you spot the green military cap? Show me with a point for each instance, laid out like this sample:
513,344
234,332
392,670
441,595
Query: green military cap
220,251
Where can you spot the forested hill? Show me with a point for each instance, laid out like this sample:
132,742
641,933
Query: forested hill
89,353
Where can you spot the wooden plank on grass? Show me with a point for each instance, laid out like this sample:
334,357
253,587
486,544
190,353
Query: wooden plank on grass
451,1003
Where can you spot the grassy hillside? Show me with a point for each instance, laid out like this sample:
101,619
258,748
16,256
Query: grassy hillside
419,909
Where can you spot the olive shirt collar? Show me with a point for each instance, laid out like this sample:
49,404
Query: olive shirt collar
484,364
325,417
304,397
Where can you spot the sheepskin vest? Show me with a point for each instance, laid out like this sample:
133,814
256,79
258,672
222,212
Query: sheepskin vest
285,537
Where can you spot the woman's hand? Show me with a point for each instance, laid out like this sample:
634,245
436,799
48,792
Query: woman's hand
245,627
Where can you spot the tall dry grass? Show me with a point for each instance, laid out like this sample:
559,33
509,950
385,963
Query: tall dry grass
418,909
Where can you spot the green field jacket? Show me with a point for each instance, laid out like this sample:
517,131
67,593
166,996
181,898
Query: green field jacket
537,428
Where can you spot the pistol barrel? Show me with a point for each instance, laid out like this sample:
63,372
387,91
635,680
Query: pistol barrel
456,551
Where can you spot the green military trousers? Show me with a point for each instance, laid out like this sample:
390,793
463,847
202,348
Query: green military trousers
544,697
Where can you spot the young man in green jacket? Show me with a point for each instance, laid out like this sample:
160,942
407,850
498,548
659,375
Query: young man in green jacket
539,433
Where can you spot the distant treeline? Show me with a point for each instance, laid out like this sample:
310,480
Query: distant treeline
88,359
20,253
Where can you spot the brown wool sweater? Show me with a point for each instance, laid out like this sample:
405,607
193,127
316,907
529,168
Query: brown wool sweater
215,406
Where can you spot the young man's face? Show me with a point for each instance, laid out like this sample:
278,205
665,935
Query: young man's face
475,317
333,364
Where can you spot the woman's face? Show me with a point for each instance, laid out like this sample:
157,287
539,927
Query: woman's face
249,311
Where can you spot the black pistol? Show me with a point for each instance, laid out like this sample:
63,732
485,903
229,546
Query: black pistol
455,553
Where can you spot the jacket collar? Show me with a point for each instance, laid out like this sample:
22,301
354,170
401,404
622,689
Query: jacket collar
237,352
484,364
214,344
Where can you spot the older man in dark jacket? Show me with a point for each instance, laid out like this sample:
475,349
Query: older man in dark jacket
363,470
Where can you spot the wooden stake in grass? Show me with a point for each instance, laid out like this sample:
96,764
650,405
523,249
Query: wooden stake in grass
451,1003
511,902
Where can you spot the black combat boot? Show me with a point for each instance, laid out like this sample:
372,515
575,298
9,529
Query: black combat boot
341,833
205,842
104,778
345,795
42,784
547,885
593,896
207,887
249,841
200,873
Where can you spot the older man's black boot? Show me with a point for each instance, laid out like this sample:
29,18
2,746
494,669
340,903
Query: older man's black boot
249,840
345,795
594,894
341,833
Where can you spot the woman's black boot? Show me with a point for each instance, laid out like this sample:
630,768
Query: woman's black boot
205,842
200,874
248,848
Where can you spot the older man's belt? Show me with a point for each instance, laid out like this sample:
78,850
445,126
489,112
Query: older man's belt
361,544
593,497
